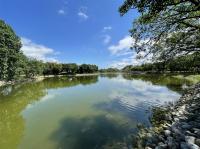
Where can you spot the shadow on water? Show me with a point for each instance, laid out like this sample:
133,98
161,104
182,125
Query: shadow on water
97,132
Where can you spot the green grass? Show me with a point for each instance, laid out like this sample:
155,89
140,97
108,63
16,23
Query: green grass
192,78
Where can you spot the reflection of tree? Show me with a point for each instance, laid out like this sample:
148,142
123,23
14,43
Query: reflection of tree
109,75
12,123
170,82
60,82
14,99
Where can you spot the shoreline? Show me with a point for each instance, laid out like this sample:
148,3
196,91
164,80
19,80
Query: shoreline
41,78
175,126
192,77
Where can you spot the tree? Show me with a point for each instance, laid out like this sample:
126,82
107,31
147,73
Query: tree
165,28
52,68
70,68
33,67
189,63
87,68
9,52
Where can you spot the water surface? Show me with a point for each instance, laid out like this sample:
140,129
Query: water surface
88,112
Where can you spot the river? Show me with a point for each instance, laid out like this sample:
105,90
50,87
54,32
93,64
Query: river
85,112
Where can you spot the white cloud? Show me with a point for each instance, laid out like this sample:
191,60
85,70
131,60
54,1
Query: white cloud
107,39
122,47
61,12
130,60
83,13
127,56
38,51
106,28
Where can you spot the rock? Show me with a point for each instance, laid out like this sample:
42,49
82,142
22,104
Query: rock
149,135
174,113
183,127
197,142
193,146
198,95
161,145
190,139
168,117
186,126
167,133
184,145
176,119
189,133
197,132
161,138
170,142
177,132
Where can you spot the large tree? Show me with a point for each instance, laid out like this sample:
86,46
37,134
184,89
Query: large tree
165,28
9,52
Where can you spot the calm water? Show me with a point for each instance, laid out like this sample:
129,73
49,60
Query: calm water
89,112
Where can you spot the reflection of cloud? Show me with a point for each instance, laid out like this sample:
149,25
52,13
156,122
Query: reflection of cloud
43,99
138,94
48,97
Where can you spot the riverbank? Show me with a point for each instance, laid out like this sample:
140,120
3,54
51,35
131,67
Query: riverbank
176,126
41,78
37,79
192,78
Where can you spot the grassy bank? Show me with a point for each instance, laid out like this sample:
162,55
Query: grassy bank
192,78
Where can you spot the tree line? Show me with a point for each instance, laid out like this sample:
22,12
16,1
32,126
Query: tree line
14,64
109,70
189,63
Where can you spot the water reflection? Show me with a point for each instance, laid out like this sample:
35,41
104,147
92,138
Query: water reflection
169,81
80,112
109,75
14,99
133,98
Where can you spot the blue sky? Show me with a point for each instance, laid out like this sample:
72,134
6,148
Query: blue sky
80,31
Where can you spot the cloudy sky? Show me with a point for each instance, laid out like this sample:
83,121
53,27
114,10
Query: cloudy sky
80,31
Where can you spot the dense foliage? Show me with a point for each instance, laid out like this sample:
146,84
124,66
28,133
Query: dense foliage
14,64
189,63
86,68
109,70
9,52
165,28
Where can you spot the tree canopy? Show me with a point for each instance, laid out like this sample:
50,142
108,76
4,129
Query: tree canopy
10,53
165,28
